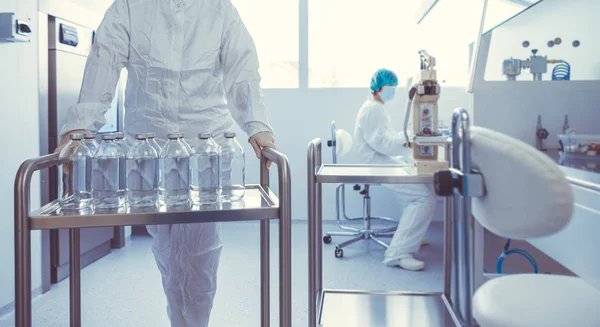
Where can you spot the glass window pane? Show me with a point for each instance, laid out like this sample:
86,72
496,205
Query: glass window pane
350,40
273,25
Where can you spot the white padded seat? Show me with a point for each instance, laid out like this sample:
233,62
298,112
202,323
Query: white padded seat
531,300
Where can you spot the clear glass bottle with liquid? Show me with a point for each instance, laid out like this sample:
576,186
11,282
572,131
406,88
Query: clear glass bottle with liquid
106,187
142,174
152,140
121,140
232,169
89,139
186,144
74,187
174,172
205,171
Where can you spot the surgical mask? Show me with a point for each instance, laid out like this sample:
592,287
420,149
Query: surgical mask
387,93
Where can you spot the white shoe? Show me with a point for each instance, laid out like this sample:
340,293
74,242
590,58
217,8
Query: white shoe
407,262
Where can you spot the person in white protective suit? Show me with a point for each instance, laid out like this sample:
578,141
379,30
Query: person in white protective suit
192,67
376,142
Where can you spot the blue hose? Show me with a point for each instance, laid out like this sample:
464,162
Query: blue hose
561,72
508,252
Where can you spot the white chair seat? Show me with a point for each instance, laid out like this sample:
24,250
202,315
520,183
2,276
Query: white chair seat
531,300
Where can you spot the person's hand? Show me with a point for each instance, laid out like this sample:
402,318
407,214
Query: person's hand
64,140
262,140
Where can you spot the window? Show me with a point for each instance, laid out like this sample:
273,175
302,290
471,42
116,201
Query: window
273,25
350,40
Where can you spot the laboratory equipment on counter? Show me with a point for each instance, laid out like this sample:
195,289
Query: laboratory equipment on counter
204,166
540,134
174,172
581,144
108,192
232,169
260,204
423,104
74,187
537,65
566,128
142,174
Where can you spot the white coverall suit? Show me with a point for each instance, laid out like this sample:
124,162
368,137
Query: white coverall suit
376,142
192,67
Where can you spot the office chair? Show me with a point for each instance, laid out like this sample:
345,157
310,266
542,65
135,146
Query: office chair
341,143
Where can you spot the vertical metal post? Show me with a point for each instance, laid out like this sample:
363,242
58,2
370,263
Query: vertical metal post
461,159
312,232
367,212
75,276
265,278
285,243
22,249
319,224
448,287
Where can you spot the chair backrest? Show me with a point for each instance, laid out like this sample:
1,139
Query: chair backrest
526,193
341,142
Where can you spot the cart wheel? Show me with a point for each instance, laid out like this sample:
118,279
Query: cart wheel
339,253
327,239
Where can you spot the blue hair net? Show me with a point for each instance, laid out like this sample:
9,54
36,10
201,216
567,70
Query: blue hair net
383,77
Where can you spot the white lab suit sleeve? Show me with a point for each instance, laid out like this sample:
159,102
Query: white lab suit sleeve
380,135
241,79
109,54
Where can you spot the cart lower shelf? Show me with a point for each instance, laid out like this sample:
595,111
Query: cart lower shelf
358,309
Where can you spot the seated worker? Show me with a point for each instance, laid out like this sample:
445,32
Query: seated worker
377,142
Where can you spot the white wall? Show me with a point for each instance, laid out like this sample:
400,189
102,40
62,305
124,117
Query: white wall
300,115
19,126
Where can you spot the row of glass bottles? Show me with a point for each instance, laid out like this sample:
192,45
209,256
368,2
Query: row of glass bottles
109,174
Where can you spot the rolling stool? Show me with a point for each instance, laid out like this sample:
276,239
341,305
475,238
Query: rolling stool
341,143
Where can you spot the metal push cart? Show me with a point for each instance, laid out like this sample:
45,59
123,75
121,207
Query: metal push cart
452,306
259,203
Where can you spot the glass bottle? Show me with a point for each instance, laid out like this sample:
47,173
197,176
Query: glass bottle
74,187
142,174
174,172
106,187
232,169
205,171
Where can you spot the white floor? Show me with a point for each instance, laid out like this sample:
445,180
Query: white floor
124,288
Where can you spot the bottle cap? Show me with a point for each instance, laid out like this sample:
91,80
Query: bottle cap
150,135
174,136
108,137
229,135
76,136
119,136
89,136
204,136
141,136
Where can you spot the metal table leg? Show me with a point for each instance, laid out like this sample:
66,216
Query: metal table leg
75,277
265,256
312,234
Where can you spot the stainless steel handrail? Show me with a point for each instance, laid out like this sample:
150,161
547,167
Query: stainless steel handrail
23,178
585,184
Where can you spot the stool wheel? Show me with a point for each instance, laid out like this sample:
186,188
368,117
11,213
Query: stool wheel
327,239
339,253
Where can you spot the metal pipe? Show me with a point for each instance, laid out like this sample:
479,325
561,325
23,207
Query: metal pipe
265,256
333,143
23,236
319,224
584,184
312,231
464,228
448,238
285,236
75,276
